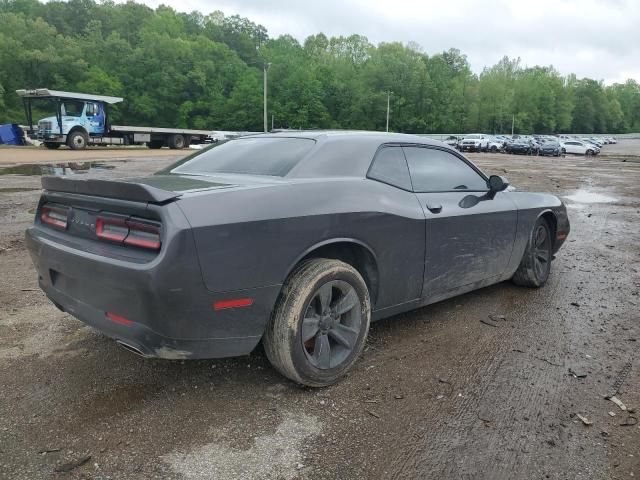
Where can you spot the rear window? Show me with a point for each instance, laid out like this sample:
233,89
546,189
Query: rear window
254,156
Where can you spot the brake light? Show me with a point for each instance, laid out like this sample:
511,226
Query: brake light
129,232
143,235
55,216
112,229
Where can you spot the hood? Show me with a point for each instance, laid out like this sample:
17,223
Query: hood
54,120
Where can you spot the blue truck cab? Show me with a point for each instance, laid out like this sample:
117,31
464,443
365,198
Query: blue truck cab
75,113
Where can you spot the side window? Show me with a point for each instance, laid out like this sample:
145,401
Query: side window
90,110
389,166
435,170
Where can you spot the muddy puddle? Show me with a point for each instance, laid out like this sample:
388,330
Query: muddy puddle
59,169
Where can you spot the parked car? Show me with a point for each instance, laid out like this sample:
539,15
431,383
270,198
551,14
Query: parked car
593,141
550,148
579,148
475,142
519,146
275,238
494,144
612,140
453,141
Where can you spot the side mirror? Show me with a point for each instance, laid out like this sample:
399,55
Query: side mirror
497,183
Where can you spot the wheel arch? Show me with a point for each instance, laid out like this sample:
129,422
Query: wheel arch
550,216
80,128
351,251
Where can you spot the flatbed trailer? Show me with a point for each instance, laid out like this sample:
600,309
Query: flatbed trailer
82,119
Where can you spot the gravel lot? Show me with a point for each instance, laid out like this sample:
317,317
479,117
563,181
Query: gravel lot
437,394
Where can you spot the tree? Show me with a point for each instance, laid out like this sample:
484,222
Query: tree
190,70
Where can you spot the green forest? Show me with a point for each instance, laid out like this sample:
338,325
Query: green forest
200,71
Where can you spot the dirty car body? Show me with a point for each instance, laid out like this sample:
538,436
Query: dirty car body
189,263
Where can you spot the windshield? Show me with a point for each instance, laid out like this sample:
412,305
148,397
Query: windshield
248,155
71,108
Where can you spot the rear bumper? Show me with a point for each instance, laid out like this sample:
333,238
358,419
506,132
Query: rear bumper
160,309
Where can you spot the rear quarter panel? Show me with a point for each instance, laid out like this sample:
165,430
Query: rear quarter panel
253,236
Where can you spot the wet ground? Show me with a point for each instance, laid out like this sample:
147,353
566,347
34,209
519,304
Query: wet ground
488,385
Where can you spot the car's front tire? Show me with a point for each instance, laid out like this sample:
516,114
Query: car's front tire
535,265
77,140
320,323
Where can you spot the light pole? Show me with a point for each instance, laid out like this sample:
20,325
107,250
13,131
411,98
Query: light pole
264,69
388,100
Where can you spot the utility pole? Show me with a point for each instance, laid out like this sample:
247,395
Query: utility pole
513,122
388,99
265,67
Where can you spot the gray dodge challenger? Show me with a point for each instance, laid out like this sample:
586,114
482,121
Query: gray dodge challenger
298,240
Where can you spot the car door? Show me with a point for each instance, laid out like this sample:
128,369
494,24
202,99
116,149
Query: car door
401,254
573,147
470,232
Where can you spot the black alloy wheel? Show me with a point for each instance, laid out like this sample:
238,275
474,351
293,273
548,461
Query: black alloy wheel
331,324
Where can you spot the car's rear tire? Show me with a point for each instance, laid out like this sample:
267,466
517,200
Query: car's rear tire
535,265
320,323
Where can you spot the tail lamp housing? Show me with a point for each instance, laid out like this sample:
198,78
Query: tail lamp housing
133,232
55,216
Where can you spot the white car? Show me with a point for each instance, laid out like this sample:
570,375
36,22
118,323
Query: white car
495,144
474,142
579,148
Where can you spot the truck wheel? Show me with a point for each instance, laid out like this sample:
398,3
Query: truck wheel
77,140
176,141
155,144
535,265
320,323
51,146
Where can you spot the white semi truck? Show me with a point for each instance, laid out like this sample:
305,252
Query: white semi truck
82,119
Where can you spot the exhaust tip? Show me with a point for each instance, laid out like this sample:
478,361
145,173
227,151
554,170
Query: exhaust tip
130,348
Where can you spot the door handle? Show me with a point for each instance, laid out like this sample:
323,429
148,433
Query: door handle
433,208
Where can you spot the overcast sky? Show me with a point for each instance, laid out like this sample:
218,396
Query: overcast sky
593,38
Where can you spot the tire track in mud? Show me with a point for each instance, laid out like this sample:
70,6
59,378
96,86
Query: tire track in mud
508,396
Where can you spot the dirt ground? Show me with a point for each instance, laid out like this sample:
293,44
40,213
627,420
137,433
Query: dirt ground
437,393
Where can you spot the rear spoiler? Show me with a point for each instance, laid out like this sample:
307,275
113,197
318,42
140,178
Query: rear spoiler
119,189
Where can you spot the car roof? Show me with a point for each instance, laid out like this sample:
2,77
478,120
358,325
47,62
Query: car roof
344,153
383,137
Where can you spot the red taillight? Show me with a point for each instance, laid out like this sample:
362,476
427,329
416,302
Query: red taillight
55,216
143,235
129,232
119,319
112,229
